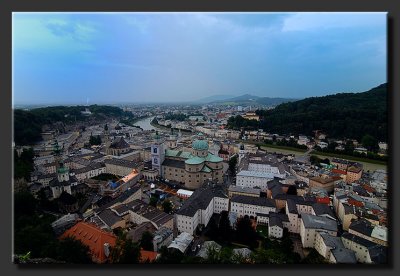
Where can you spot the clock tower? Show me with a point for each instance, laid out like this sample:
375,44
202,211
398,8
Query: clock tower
157,153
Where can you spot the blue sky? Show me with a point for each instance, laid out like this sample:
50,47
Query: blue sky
163,57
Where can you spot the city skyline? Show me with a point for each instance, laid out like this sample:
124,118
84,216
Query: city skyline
67,58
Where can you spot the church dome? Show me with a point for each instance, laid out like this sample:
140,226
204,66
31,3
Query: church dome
200,145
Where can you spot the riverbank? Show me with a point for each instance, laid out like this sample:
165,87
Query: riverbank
168,128
368,164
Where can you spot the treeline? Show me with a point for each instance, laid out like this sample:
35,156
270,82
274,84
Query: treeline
176,117
28,124
34,236
23,164
343,115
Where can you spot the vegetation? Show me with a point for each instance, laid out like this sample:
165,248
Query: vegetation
28,124
146,242
232,164
125,251
350,115
23,165
106,177
33,233
167,206
94,140
176,117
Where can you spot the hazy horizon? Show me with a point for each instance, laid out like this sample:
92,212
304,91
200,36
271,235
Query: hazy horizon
150,58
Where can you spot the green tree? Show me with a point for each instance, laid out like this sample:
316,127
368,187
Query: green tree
370,143
125,251
73,251
224,227
146,242
153,201
245,232
232,164
167,206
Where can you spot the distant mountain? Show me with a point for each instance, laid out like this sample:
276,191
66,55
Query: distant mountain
214,98
245,97
248,99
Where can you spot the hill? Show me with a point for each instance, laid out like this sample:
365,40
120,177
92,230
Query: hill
248,99
28,124
214,98
343,115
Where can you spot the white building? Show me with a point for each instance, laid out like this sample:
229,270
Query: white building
252,206
310,225
199,208
251,179
182,242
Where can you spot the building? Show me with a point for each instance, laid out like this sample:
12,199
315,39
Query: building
240,190
201,205
118,147
190,168
162,237
324,182
99,241
121,167
333,249
366,230
251,116
63,182
94,169
182,242
251,206
365,250
310,225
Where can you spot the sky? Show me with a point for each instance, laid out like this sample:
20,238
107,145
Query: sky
79,58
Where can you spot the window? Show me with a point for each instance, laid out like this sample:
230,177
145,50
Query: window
154,150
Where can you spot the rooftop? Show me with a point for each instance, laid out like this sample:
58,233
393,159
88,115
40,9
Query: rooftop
316,222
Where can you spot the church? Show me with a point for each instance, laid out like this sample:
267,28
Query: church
191,168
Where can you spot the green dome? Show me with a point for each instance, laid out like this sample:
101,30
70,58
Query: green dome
200,145
194,160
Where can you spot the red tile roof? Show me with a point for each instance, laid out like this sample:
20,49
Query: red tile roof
93,237
147,255
339,171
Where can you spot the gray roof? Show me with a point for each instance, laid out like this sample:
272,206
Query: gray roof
121,198
200,199
55,183
234,188
362,226
121,162
251,200
174,163
316,222
90,167
322,209
119,143
358,240
332,242
344,256
275,221
109,217
150,212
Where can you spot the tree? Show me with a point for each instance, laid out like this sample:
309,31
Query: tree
146,242
125,251
224,227
232,164
313,258
292,190
153,201
170,256
73,251
370,143
245,232
167,206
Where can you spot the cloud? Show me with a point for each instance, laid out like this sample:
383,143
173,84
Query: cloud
306,21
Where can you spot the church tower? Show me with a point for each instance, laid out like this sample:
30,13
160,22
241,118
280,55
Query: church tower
157,153
241,152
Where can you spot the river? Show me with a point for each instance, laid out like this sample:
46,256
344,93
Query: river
145,123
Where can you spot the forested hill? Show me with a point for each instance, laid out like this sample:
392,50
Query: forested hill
28,124
343,115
